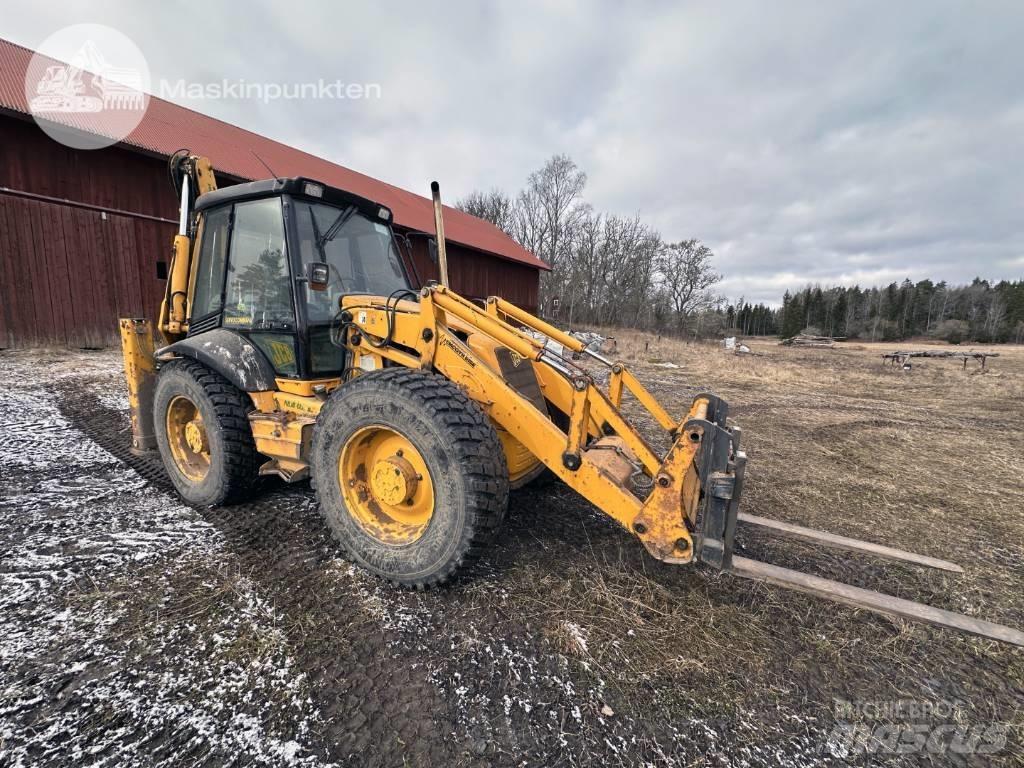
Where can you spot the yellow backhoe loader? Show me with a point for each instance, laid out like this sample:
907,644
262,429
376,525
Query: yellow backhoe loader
294,343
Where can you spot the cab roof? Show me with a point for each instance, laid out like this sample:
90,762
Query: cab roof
296,186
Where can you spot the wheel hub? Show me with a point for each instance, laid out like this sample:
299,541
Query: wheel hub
386,485
195,436
187,438
394,480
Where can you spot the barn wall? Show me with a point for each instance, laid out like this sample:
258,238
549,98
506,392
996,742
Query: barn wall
31,161
477,276
67,272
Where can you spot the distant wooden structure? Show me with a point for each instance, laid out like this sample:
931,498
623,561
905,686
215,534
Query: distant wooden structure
902,358
815,342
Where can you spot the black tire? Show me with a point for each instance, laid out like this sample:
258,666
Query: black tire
234,462
461,451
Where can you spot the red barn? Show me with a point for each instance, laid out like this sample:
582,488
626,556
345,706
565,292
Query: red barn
82,231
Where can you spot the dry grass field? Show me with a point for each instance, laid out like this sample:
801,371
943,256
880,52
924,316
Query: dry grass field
139,629
930,460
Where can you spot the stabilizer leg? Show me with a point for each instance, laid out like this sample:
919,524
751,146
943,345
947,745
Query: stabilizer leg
140,374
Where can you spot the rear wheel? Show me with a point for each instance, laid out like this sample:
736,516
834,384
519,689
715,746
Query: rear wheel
410,475
203,432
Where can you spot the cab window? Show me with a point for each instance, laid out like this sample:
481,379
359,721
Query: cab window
257,294
213,257
361,254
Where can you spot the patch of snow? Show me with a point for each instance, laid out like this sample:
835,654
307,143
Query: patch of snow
97,652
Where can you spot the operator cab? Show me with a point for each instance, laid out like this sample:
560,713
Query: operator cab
273,259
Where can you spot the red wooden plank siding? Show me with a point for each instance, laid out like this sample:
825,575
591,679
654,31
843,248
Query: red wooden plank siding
7,278
67,273
476,277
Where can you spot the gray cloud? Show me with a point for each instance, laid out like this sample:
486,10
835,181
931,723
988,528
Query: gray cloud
859,142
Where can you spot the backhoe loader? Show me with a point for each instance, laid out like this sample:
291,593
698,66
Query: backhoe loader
295,342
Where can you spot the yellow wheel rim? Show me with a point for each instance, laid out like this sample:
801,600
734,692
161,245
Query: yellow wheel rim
386,485
186,435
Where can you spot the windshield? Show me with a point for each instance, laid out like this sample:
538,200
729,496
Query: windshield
361,253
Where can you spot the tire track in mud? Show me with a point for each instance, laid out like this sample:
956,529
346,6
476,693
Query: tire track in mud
445,677
374,698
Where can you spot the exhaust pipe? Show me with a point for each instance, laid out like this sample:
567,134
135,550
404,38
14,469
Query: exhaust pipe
442,255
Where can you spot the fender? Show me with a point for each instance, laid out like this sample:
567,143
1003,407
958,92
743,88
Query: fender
230,354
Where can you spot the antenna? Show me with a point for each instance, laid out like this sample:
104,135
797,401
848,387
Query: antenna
276,177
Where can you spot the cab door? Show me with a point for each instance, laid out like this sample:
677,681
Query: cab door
242,280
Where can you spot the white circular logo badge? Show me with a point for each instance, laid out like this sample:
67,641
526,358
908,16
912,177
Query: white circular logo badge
87,86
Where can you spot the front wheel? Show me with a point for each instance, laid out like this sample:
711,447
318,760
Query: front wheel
410,475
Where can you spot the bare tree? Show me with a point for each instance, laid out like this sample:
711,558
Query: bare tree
605,269
548,212
585,276
687,276
494,206
995,315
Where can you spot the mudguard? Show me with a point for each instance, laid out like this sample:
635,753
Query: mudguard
228,353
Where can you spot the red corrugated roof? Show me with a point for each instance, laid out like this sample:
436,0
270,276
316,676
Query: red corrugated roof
167,127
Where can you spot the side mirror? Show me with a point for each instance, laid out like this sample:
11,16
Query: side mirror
318,274
432,249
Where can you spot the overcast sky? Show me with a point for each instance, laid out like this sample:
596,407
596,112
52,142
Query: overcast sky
804,142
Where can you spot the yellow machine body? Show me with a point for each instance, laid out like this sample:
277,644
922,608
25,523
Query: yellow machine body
596,450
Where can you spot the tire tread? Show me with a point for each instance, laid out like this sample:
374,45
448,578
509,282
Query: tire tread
232,407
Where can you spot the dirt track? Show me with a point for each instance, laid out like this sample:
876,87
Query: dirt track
142,631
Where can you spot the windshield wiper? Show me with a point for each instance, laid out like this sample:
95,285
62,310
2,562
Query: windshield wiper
335,228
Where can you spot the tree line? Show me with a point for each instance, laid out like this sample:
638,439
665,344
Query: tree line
982,311
606,269
613,270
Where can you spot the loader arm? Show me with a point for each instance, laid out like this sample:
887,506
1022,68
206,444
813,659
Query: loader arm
681,506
